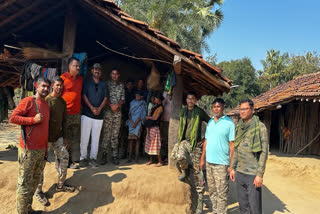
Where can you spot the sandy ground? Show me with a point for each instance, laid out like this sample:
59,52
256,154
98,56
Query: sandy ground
290,186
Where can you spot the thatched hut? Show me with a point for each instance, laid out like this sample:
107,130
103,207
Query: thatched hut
291,112
67,27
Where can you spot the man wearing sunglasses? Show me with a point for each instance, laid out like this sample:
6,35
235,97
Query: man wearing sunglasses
95,96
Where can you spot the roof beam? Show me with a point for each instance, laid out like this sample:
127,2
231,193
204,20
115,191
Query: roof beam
7,4
20,13
33,19
10,81
45,22
9,72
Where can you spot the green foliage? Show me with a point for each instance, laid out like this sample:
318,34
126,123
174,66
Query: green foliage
188,22
300,65
278,69
212,59
206,103
245,80
273,66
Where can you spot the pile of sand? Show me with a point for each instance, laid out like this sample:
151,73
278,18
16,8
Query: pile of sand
108,189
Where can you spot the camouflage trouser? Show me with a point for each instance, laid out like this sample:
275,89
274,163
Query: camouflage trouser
30,170
73,133
62,160
182,154
217,178
111,130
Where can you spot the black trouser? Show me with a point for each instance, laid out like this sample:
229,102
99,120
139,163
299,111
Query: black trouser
249,197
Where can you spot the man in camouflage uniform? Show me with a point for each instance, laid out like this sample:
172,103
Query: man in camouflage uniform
218,150
249,160
57,132
72,87
112,117
32,113
187,152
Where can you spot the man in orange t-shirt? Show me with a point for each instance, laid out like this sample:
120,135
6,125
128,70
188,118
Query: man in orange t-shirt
33,113
72,87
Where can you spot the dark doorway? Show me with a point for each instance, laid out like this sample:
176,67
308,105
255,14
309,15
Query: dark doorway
275,130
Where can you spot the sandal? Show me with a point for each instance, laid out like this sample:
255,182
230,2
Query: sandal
41,197
65,188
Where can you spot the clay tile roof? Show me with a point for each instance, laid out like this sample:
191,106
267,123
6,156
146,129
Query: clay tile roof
134,21
154,30
110,4
167,39
302,87
190,53
120,12
215,83
211,67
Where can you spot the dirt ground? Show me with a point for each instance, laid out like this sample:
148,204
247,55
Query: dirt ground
291,185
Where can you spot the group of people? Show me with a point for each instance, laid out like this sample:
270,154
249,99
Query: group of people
55,119
227,152
75,110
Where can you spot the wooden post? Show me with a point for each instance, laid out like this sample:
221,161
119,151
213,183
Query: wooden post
69,34
177,96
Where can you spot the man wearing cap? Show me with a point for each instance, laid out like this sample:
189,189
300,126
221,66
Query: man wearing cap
112,117
95,97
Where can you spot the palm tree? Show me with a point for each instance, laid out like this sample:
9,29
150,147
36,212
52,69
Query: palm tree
273,67
188,22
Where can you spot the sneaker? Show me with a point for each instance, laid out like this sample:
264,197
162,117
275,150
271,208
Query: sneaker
73,166
83,163
115,161
41,197
93,163
65,188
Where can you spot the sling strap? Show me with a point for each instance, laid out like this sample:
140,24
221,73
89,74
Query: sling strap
23,136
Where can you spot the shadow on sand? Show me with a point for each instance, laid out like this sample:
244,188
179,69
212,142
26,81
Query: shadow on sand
89,195
9,155
270,202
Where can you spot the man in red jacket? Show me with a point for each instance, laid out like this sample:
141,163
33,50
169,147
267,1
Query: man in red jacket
33,113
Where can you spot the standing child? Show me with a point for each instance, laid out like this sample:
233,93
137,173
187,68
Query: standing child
153,139
137,112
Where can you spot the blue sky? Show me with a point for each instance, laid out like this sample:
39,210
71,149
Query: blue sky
251,27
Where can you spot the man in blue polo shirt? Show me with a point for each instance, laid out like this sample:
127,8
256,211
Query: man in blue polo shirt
218,150
95,95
